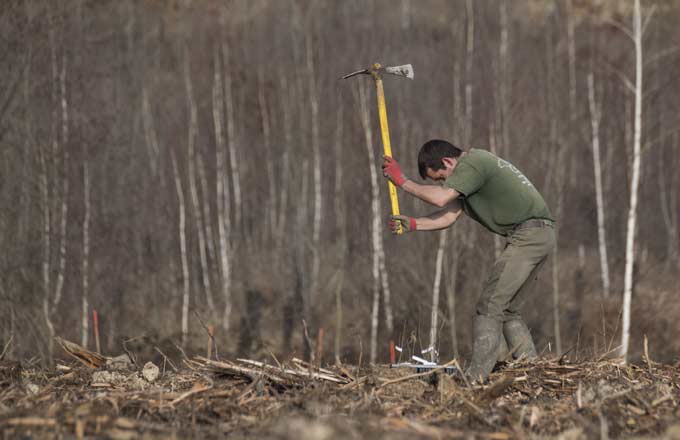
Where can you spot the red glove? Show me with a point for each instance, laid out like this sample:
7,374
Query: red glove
407,224
392,171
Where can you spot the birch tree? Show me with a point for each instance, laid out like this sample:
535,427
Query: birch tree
599,198
375,218
434,315
193,191
634,185
231,132
186,286
222,190
316,165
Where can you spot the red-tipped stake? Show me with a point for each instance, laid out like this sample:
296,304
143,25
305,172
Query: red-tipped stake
393,355
95,321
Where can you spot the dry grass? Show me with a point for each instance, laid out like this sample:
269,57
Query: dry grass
209,399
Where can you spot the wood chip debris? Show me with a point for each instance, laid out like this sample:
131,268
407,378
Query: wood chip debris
210,398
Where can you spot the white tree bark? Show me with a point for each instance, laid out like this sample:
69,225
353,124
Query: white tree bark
222,192
375,220
64,183
434,315
452,279
183,249
193,191
340,215
231,137
634,186
271,205
46,246
84,316
384,282
207,212
287,96
571,49
316,224
599,198
468,70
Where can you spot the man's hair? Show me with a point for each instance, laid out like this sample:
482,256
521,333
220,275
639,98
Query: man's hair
431,154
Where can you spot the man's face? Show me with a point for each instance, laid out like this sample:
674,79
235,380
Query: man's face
442,174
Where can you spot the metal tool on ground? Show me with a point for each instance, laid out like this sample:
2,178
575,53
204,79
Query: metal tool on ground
376,71
422,365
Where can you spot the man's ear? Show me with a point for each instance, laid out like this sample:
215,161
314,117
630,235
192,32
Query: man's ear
449,162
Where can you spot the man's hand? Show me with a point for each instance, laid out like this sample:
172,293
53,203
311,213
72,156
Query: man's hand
392,171
407,224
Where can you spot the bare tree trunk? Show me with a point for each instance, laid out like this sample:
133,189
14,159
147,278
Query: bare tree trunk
287,97
65,187
316,224
634,186
555,156
601,232
183,249
300,254
503,124
271,205
434,315
338,313
340,215
84,316
497,245
207,213
375,220
470,39
231,137
385,284
196,204
571,49
222,192
46,249
452,279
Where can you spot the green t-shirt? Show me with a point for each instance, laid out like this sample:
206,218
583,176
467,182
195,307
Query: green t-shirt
495,193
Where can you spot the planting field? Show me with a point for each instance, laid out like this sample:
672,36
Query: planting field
205,398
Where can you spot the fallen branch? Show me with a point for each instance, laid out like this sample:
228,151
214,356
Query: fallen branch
88,358
417,375
330,376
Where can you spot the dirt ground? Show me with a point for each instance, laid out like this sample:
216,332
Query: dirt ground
547,398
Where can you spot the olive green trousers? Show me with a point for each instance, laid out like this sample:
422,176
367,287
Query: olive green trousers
506,289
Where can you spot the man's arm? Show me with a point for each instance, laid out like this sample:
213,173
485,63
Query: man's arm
433,194
441,219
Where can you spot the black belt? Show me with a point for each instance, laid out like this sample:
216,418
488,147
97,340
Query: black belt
534,223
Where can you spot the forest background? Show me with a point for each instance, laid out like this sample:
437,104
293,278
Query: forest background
176,164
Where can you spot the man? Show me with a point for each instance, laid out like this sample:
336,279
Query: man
496,194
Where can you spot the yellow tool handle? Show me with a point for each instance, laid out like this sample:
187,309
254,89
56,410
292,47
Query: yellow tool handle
387,147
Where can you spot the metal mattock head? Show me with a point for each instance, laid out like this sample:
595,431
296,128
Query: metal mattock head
376,70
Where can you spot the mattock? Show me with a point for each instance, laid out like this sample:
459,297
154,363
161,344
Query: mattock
376,71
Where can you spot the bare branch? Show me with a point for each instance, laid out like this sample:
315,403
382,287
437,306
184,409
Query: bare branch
627,32
648,18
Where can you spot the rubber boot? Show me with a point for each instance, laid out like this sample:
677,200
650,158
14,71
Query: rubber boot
486,334
503,350
519,339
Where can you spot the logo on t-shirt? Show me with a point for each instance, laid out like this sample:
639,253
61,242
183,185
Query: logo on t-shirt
502,164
